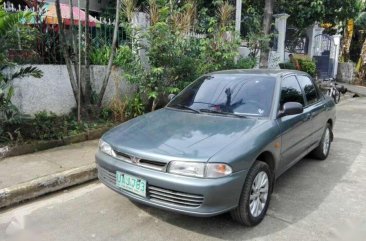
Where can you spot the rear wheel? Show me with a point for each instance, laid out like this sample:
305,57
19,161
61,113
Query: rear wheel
322,151
255,196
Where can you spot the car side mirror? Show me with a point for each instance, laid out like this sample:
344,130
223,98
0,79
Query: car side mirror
291,108
171,96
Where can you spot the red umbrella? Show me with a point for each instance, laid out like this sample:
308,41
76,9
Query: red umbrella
50,15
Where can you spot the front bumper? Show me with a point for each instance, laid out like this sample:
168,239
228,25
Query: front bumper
187,195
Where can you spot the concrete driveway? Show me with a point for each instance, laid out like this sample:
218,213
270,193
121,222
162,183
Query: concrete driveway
314,200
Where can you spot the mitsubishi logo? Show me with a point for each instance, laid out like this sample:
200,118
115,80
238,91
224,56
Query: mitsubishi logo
135,160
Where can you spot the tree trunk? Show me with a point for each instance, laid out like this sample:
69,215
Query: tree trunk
347,39
266,27
73,42
88,90
72,27
362,62
113,50
65,51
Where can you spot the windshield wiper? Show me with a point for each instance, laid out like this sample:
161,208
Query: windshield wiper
221,113
180,106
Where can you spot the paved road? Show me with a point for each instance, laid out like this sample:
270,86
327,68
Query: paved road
313,201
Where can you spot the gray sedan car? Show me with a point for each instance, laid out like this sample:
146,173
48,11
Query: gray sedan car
220,144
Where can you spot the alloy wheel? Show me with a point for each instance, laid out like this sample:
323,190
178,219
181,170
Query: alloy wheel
326,141
259,194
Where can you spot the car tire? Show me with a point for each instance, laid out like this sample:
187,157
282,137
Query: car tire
322,151
246,213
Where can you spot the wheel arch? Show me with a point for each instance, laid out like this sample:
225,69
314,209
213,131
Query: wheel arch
268,158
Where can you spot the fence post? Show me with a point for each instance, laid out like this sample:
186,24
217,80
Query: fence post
311,32
140,22
336,40
280,23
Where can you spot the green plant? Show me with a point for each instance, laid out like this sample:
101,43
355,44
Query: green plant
308,66
134,107
123,56
100,56
175,59
245,63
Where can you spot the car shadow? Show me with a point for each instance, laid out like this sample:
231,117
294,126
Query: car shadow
298,193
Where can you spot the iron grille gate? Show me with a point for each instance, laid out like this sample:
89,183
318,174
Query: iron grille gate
323,56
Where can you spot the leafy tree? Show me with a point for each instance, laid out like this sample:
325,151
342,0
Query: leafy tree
303,13
8,112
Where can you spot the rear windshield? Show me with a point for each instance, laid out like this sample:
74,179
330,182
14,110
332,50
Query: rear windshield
235,93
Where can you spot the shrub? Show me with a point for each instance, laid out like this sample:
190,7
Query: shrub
245,63
306,64
100,56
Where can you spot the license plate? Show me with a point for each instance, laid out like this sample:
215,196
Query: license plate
131,183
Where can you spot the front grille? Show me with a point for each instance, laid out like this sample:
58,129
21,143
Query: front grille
156,194
174,197
109,178
156,165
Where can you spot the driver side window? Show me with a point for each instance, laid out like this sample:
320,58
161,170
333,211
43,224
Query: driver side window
291,91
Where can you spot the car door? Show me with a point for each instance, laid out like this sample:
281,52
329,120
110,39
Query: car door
315,106
295,136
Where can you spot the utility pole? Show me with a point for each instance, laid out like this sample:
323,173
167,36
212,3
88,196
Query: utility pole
238,15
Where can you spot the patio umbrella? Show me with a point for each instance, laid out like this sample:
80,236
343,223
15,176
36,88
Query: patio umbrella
50,15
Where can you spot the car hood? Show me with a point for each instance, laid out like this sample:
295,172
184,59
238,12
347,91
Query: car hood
169,134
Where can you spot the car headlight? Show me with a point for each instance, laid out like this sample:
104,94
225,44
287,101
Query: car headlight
199,169
106,148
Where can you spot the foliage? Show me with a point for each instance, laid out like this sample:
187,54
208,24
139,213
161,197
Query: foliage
9,113
245,63
100,56
175,58
134,107
303,13
306,64
46,126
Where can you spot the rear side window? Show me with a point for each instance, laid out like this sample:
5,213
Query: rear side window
309,89
291,91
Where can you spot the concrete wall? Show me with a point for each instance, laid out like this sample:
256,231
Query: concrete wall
53,91
346,72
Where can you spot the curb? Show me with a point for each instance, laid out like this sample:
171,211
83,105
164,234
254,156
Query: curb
46,184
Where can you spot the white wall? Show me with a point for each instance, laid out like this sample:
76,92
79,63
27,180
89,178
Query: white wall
53,91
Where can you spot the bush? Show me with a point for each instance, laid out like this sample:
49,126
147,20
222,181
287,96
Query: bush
245,63
100,56
46,126
306,64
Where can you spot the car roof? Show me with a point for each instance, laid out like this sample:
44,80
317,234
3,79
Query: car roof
268,72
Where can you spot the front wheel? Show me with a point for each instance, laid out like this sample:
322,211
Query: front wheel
322,151
255,196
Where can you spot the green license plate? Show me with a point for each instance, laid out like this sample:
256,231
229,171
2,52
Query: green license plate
131,183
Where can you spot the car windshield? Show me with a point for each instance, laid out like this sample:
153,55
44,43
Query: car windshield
229,94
